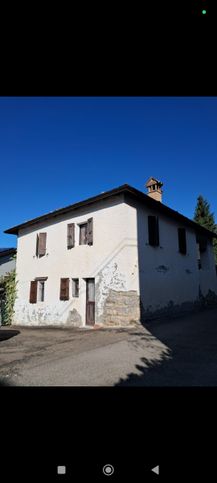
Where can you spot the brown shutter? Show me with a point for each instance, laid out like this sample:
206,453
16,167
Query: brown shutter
90,231
33,292
70,235
42,244
37,241
64,289
153,230
202,240
182,240
156,231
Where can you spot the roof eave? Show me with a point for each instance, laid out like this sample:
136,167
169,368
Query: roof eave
121,189
15,229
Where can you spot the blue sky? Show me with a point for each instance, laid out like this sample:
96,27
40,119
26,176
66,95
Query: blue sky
55,151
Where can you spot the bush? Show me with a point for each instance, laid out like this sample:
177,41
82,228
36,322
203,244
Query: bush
8,282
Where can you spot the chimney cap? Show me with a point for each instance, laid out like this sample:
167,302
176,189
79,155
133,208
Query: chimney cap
152,181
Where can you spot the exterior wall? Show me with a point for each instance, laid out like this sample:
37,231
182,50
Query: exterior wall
119,301
207,274
6,265
129,274
167,278
111,260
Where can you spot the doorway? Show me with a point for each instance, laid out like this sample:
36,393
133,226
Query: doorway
90,301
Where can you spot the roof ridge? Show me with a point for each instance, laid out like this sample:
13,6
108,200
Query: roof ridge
107,194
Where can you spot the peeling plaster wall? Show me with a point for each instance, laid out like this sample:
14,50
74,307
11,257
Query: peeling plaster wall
168,279
119,276
120,260
112,260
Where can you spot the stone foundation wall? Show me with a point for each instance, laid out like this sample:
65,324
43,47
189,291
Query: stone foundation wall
121,308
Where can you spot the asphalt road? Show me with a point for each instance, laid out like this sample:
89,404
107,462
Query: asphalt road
175,352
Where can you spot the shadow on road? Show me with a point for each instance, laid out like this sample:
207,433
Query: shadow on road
189,357
3,383
7,334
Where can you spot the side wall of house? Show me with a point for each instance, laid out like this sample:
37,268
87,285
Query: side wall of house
169,280
207,274
111,260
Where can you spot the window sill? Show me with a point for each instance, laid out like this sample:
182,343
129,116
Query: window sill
41,256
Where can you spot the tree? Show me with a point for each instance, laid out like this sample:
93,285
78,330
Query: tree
204,217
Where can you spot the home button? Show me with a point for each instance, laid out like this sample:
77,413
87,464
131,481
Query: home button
108,470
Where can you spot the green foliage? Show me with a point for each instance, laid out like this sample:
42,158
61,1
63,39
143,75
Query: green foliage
204,217
9,285
202,214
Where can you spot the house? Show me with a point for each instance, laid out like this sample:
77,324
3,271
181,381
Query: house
112,259
7,260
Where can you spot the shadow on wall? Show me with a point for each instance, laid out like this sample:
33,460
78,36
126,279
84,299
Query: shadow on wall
153,277
7,334
190,358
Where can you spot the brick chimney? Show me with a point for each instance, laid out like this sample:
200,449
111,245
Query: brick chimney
154,189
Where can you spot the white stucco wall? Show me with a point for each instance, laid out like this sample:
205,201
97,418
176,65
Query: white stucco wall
166,276
119,259
207,274
111,260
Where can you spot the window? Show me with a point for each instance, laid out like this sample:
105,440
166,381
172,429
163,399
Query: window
182,240
70,235
41,239
75,287
64,289
37,290
83,234
153,230
198,256
202,252
41,291
202,240
86,233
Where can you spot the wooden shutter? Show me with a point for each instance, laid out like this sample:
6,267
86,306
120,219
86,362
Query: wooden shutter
70,235
33,292
64,289
202,240
90,231
37,242
153,230
42,244
182,240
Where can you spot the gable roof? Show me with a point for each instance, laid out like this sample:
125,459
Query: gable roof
126,189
